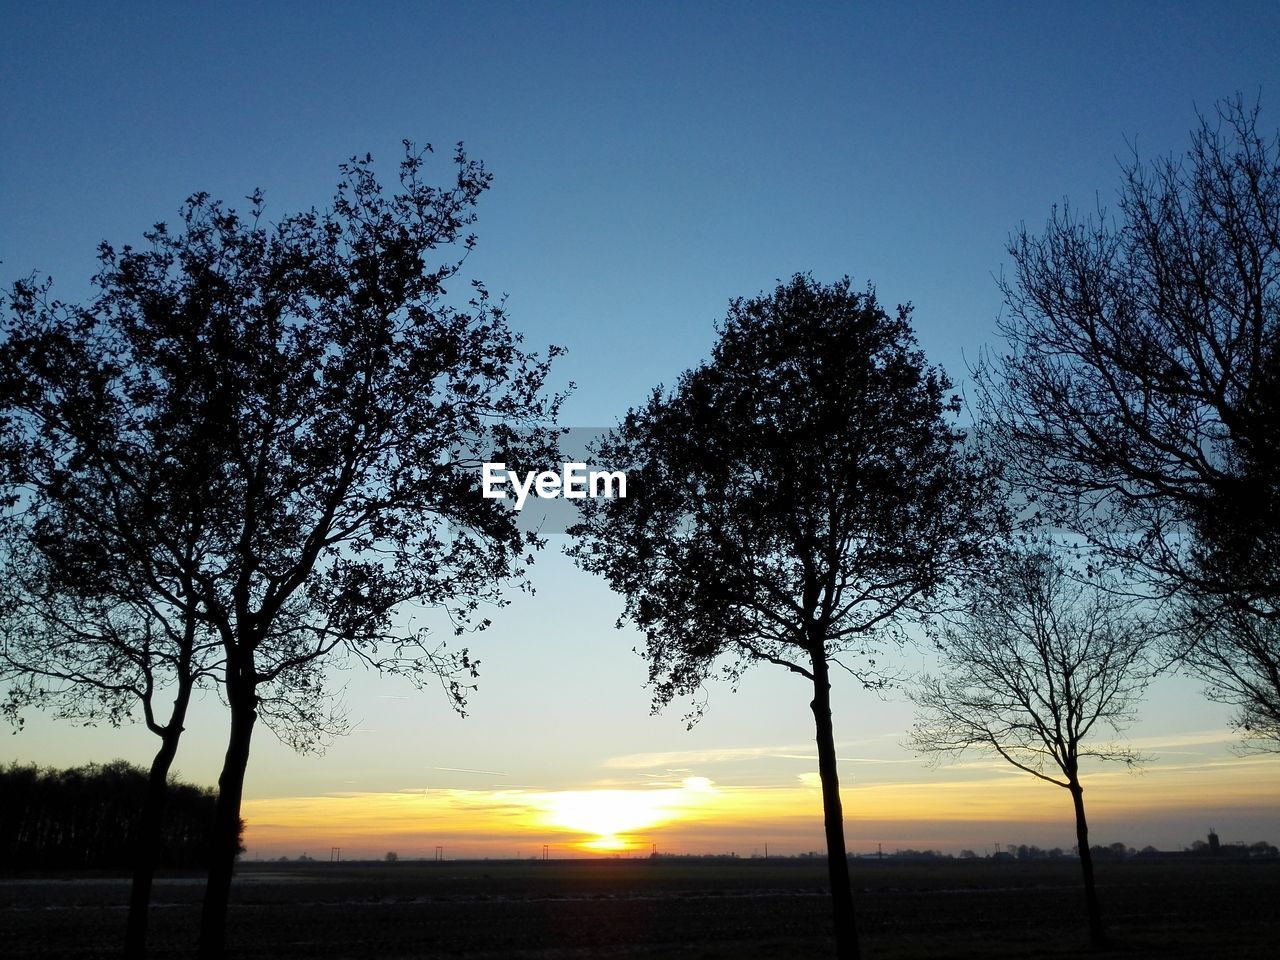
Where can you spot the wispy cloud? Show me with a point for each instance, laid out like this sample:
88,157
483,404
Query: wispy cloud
695,813
877,760
1172,742
688,758
684,760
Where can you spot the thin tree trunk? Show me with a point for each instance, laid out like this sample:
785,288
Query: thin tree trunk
150,833
151,825
1097,935
842,915
226,830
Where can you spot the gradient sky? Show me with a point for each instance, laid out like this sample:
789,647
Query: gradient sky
651,162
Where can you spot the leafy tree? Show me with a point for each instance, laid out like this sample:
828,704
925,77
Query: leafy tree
1140,394
87,656
94,626
103,463
333,404
790,501
1034,669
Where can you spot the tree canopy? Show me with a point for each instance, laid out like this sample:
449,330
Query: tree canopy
792,497
279,426
1137,399
1137,393
790,501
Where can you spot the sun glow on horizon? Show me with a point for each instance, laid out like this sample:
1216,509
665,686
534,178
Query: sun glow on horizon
951,807
611,844
614,816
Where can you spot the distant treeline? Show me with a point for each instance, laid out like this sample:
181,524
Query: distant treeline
1114,851
1022,851
88,817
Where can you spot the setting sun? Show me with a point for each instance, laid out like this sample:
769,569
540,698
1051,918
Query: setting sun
613,816
609,844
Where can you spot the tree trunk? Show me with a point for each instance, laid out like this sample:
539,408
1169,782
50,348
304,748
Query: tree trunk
226,830
1097,936
842,916
150,833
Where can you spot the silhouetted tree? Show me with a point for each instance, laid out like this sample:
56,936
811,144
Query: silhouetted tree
102,465
1036,667
343,405
790,501
112,480
1140,395
95,656
91,637
1237,653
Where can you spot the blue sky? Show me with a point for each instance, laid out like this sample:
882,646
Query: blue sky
651,161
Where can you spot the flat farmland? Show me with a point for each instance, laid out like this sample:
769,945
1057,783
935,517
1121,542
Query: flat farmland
702,909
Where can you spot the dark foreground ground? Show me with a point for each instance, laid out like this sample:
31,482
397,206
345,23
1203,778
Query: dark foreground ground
740,909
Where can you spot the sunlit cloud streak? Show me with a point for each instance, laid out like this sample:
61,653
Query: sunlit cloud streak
948,808
686,759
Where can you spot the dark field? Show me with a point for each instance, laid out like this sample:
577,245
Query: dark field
741,909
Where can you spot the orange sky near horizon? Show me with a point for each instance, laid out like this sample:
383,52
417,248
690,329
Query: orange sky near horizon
968,805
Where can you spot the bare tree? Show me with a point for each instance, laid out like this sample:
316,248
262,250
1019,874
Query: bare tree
1139,397
1036,670
1137,394
1237,654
